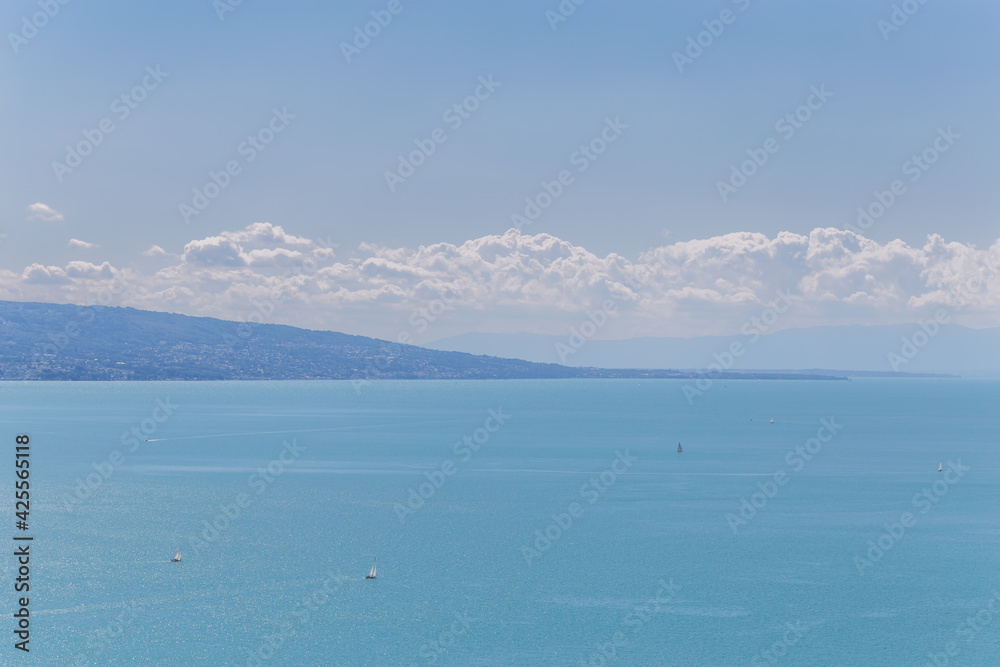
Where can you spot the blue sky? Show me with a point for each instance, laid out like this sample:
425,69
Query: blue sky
324,174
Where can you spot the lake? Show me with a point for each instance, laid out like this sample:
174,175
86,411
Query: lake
514,522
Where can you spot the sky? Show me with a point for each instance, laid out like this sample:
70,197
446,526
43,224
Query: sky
685,160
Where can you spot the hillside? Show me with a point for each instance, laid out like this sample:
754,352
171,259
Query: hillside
65,342
41,341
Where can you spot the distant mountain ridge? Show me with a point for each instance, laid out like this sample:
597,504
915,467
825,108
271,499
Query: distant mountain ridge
954,349
42,341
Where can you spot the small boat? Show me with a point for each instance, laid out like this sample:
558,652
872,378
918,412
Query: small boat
371,575
177,557
679,448
939,467
772,420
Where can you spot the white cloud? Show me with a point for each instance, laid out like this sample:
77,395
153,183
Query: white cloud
40,211
518,282
83,245
214,251
38,274
155,251
89,271
260,244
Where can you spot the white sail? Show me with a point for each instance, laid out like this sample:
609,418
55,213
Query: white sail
939,467
371,575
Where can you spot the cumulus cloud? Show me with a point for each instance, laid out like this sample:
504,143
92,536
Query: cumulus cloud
83,245
40,211
78,269
541,283
39,274
154,251
214,251
260,244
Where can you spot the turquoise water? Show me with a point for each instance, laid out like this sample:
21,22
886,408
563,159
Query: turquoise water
651,572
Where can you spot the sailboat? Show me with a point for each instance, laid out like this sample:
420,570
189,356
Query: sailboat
939,467
679,448
772,420
371,575
177,557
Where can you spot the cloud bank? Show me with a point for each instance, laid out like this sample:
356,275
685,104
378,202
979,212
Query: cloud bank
538,283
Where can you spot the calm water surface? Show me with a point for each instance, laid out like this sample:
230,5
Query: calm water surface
651,565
